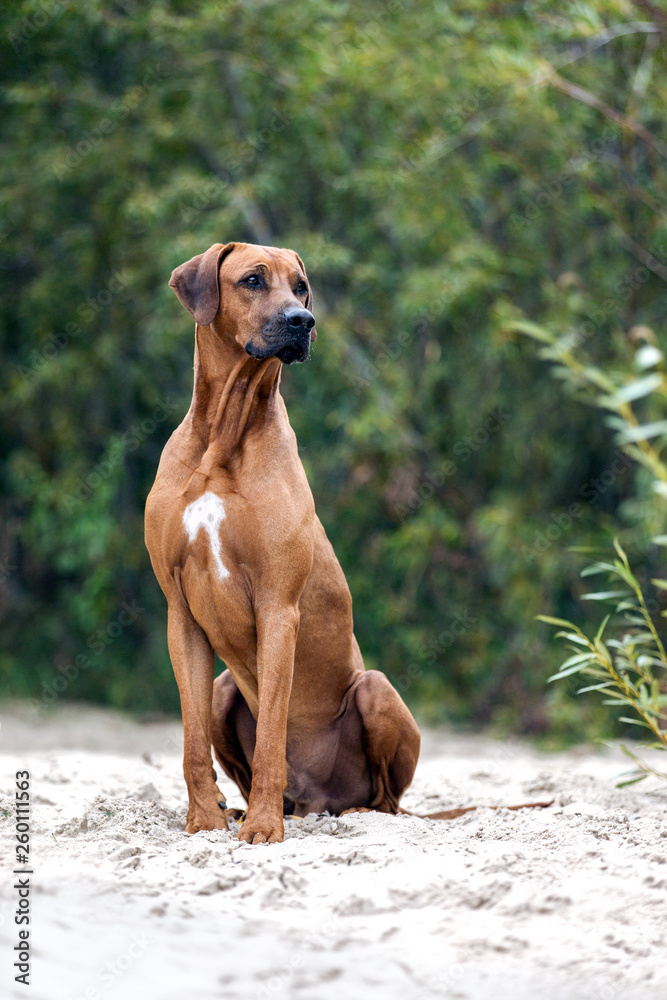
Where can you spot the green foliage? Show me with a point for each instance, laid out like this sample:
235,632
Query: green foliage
635,673
640,438
630,672
444,180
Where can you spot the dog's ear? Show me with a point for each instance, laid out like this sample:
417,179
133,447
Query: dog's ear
196,283
309,298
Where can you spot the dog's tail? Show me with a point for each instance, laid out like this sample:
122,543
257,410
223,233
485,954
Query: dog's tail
455,813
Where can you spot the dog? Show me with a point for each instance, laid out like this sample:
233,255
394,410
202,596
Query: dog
295,721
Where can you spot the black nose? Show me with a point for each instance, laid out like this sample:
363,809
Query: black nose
299,320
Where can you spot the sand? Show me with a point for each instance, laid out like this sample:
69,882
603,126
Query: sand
567,902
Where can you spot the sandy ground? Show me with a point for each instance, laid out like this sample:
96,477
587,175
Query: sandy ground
564,903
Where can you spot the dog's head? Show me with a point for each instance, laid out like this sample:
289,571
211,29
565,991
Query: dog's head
257,295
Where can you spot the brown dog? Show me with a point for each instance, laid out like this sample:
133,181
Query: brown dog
248,572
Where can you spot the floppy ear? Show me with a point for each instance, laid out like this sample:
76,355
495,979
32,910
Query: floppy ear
196,283
309,297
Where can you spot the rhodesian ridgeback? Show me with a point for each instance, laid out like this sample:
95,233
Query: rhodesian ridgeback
248,572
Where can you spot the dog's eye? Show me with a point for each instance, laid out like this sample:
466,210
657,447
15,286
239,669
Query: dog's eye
301,288
253,280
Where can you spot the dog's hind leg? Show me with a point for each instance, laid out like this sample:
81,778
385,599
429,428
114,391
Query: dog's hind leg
391,739
233,732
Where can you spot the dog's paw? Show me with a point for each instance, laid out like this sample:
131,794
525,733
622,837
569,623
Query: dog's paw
259,831
213,818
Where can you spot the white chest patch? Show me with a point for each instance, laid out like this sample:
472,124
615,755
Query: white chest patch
207,512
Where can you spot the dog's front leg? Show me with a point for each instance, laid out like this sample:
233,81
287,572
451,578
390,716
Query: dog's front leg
276,641
192,660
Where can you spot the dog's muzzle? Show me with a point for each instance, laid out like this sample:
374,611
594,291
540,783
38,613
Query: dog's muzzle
286,337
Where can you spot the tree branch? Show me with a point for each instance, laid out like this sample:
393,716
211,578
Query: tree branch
585,97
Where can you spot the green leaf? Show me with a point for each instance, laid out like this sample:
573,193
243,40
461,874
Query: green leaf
635,620
633,390
646,660
640,637
631,781
620,551
604,595
653,712
531,330
572,637
633,722
571,666
616,423
647,356
577,658
598,634
598,567
554,621
643,433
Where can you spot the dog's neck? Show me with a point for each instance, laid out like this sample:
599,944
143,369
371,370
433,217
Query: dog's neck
233,392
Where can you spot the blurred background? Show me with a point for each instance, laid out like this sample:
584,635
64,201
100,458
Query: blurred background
469,184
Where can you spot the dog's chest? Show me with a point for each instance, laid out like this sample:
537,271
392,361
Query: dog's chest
237,546
202,521
214,577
